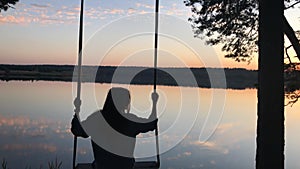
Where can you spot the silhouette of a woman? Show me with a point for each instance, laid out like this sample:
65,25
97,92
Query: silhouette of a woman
114,129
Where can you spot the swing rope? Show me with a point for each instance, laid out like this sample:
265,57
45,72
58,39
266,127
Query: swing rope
77,101
155,77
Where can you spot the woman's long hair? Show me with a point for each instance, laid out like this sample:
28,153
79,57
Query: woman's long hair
117,100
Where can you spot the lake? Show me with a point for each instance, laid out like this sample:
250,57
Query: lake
199,127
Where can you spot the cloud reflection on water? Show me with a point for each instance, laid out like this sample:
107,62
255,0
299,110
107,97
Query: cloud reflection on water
38,133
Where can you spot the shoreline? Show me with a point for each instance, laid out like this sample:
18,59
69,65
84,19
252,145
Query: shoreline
236,78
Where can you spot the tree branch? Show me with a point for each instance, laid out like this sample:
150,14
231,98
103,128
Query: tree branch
291,6
290,33
287,54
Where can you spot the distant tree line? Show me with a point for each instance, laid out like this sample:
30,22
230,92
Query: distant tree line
236,78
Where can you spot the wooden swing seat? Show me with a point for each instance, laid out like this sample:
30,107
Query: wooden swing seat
137,165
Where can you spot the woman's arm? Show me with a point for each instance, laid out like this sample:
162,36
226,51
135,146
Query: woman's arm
154,97
148,126
143,125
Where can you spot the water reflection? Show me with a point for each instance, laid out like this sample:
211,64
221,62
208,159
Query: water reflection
35,121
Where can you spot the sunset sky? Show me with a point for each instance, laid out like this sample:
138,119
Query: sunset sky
116,33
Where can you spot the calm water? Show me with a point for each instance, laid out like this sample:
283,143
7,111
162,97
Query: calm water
199,128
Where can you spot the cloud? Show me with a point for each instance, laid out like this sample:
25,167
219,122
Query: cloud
23,20
180,155
14,121
25,147
58,12
210,145
204,144
44,14
40,14
40,6
213,162
47,14
188,153
131,11
225,127
114,11
76,9
46,20
22,126
33,13
140,5
71,13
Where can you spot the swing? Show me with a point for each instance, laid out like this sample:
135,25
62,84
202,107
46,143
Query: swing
77,102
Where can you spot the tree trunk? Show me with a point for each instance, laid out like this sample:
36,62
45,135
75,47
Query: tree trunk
270,122
290,33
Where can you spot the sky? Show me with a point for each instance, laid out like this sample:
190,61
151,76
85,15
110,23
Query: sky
115,33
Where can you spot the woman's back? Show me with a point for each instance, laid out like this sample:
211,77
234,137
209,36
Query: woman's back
113,131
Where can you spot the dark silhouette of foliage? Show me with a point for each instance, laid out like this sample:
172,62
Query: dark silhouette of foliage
293,97
4,164
292,85
232,23
6,4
